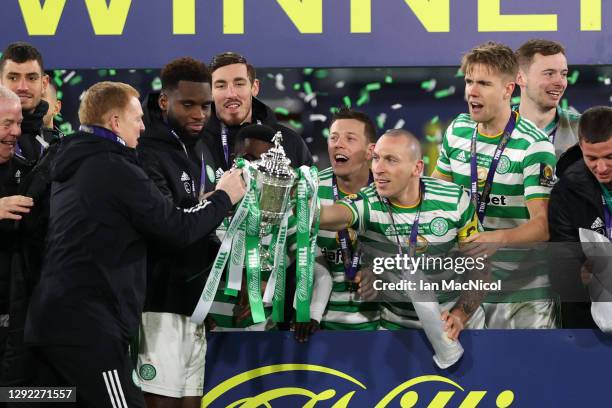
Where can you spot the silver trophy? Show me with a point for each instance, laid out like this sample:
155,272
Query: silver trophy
275,179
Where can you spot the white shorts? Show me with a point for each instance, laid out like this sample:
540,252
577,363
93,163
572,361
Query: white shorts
171,356
535,314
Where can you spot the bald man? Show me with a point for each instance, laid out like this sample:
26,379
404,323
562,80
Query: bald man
403,209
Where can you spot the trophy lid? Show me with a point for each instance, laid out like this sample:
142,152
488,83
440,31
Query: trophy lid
275,162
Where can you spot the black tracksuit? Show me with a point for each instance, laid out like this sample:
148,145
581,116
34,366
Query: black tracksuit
294,145
176,277
31,127
575,202
92,287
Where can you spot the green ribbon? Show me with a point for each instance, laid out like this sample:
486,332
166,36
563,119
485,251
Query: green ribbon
253,263
607,197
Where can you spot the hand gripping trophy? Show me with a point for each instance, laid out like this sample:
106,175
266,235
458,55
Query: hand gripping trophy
256,238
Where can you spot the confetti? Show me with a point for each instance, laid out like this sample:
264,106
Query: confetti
307,88
573,78
389,79
308,71
308,139
429,85
347,101
295,124
321,74
315,158
112,72
76,80
66,128
282,111
363,99
297,87
426,160
333,109
396,106
59,95
325,133
279,78
156,85
317,118
68,77
564,103
459,73
432,138
515,100
375,86
270,75
435,120
605,80
102,73
443,93
340,84
381,119
400,124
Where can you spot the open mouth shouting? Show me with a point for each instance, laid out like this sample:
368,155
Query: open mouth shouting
476,107
340,159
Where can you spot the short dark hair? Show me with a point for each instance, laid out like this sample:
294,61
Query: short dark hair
595,125
21,52
496,56
229,58
526,52
184,69
346,113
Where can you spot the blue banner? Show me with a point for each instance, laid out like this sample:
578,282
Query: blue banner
299,33
513,368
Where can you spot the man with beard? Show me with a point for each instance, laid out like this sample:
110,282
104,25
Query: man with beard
403,209
173,349
350,144
235,88
581,199
542,76
21,70
507,164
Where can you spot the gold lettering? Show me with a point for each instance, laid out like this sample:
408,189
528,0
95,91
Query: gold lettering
108,20
490,19
183,17
306,15
361,16
590,15
233,16
41,20
433,14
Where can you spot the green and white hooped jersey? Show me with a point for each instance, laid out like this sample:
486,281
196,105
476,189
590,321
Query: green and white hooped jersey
525,172
344,310
446,217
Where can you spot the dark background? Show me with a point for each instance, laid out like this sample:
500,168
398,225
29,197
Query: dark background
422,100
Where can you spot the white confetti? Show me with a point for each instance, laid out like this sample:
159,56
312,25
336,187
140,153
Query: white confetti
68,77
309,139
340,84
279,82
400,124
396,106
317,118
315,158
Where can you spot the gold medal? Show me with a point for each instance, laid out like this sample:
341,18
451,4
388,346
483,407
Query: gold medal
482,176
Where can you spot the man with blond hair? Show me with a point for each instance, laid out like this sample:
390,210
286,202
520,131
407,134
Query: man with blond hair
103,209
507,164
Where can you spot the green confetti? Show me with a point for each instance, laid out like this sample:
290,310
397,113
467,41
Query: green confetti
459,73
573,78
444,93
564,103
308,71
296,87
112,72
429,85
347,101
363,99
282,111
321,74
426,160
60,95
380,120
389,79
156,85
76,80
270,75
515,100
435,120
375,86
333,109
431,138
58,81
102,73
66,128
295,124
307,88
325,133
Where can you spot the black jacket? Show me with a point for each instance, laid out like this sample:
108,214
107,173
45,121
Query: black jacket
175,277
32,127
103,207
294,145
575,203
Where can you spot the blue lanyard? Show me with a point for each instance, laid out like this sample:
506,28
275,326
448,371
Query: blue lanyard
225,143
414,230
481,203
102,132
350,256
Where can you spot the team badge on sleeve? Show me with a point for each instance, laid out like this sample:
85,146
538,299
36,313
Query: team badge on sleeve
547,175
